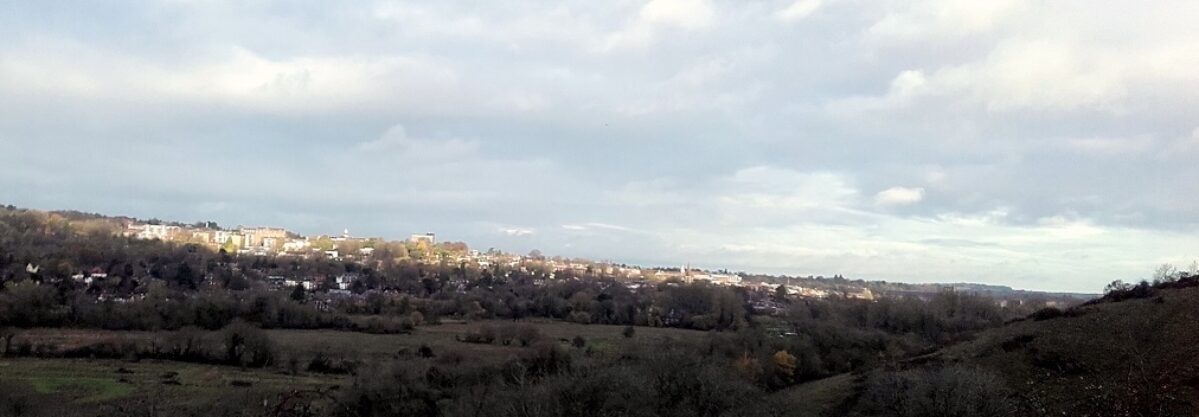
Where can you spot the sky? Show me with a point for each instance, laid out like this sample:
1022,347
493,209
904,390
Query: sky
1044,145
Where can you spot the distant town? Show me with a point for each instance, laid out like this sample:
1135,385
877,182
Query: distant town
424,247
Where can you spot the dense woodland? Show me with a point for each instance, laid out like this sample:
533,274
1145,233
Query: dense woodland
211,307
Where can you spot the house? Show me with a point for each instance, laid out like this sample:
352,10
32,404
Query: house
726,279
430,238
269,238
154,231
295,245
277,282
346,281
767,307
860,294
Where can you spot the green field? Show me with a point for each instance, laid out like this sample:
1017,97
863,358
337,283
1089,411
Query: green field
88,387
815,398
374,347
95,387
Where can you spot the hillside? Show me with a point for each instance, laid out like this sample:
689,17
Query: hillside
1136,357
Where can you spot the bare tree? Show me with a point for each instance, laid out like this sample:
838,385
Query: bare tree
1165,273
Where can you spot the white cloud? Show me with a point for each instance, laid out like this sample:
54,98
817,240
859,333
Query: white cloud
599,226
1016,76
657,16
1186,144
395,142
935,20
1110,146
517,231
899,196
686,14
232,76
798,10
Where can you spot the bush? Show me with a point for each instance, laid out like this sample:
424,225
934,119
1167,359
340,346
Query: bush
246,345
544,359
425,351
628,331
951,391
581,317
1119,291
1046,314
106,349
485,334
376,325
186,344
451,357
527,334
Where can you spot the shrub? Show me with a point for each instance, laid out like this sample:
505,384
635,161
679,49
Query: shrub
581,317
527,334
247,345
485,334
425,351
951,391
451,357
545,358
106,349
1046,314
628,331
186,344
376,325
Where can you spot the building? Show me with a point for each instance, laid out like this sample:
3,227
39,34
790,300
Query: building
346,281
430,238
726,279
222,237
154,231
269,238
295,245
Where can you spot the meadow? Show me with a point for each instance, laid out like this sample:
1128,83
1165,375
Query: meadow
89,386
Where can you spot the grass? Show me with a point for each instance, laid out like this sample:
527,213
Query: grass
85,389
90,387
813,399
81,386
379,347
1087,360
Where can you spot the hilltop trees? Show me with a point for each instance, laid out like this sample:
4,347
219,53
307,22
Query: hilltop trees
1165,273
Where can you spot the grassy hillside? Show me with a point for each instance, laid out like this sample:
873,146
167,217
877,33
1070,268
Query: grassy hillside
1136,357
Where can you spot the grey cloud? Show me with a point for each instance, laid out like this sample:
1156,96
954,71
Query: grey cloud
752,135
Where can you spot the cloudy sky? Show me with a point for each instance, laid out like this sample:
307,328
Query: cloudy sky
1039,144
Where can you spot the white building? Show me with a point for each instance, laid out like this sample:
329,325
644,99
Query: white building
155,231
295,245
430,238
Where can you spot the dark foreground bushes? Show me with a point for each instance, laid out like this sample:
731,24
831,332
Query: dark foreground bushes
550,380
950,391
